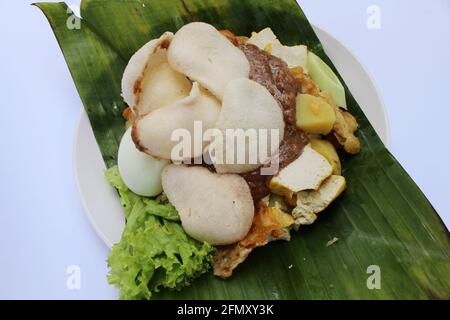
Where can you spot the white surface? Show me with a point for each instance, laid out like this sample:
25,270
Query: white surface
101,202
43,227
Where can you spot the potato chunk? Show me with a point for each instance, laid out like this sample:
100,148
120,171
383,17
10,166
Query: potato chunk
314,114
326,149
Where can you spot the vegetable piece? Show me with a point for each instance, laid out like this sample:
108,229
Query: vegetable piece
326,149
213,207
326,79
203,54
140,172
314,114
128,198
311,202
306,172
153,253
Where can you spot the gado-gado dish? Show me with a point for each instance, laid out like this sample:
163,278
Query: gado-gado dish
225,136
231,142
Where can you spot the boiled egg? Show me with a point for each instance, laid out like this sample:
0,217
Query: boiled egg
140,171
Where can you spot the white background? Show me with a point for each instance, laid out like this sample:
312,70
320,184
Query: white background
43,228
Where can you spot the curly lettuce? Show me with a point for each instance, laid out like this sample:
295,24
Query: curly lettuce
154,251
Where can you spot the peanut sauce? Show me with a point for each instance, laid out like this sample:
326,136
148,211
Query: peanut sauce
273,73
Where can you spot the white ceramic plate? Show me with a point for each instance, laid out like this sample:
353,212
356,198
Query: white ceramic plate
101,202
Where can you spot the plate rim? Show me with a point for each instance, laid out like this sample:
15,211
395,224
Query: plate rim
87,211
386,143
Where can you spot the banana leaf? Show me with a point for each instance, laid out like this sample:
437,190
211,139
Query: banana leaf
385,225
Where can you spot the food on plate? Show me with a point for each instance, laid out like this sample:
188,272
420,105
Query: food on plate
153,132
344,128
326,149
187,206
154,252
247,105
221,212
293,56
307,172
277,201
203,54
311,202
345,125
161,86
151,54
326,79
314,114
141,172
274,74
270,224
263,38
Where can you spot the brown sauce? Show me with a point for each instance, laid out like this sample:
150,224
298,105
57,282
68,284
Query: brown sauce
273,73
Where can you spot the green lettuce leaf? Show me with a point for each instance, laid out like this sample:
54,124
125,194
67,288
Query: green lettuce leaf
154,251
128,199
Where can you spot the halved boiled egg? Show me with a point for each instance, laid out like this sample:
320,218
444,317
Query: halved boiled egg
140,171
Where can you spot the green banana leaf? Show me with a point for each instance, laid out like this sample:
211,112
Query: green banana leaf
382,219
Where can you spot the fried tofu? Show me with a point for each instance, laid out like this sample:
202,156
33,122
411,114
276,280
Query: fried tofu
311,202
269,224
308,171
